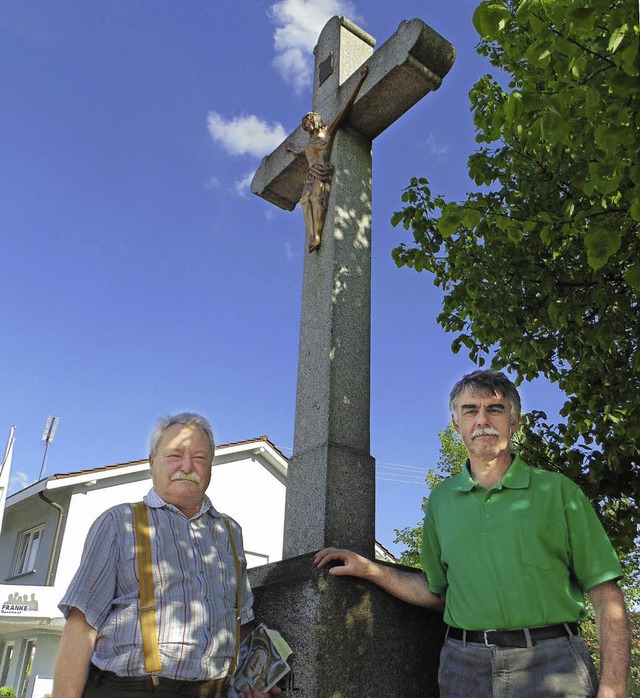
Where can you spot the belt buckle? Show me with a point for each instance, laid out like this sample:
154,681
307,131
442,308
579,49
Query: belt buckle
486,639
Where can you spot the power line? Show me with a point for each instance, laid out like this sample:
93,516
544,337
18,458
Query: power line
399,473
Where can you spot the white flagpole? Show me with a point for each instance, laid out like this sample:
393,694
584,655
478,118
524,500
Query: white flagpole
4,473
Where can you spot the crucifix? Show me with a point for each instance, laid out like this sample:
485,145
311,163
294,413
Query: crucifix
317,184
331,478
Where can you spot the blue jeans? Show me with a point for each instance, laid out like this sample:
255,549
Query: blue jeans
556,668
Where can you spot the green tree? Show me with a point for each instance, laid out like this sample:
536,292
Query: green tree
540,266
451,458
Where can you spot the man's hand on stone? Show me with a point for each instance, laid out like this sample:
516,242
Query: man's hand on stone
352,564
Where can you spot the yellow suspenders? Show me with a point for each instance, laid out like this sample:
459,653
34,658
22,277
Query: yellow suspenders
148,625
236,562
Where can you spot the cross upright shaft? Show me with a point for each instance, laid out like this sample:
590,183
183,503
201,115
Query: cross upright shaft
331,480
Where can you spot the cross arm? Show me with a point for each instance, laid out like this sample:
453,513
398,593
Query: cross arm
412,63
280,177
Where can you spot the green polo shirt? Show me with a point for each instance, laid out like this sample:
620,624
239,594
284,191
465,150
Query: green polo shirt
520,554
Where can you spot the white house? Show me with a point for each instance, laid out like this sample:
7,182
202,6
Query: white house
45,525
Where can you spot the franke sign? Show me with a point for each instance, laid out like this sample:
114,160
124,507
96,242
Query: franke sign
39,602
19,603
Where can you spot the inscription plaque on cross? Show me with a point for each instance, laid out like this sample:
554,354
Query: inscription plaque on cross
331,478
347,635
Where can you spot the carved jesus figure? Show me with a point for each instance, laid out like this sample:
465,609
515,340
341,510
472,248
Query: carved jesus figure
317,184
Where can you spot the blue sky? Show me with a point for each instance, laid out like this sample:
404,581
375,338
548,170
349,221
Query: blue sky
139,274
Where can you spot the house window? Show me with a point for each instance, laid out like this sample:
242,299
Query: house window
28,649
27,553
5,656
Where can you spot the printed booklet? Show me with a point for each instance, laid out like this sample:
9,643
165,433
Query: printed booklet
262,662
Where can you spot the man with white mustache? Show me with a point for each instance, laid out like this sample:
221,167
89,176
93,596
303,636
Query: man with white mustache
509,552
197,573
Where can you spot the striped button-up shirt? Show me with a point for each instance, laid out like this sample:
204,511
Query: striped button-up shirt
194,585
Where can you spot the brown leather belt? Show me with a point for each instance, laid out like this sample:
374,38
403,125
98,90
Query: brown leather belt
214,688
514,638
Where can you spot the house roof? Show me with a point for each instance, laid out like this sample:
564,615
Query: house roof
383,554
261,445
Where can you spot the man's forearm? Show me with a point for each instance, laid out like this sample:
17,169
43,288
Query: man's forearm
614,639
74,657
407,586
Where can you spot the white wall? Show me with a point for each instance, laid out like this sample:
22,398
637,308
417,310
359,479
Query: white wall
86,505
42,670
247,489
251,494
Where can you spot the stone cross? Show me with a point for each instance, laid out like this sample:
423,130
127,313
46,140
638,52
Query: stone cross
344,632
331,479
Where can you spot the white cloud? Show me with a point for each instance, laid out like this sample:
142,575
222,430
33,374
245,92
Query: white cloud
245,135
241,186
436,148
298,24
18,481
288,251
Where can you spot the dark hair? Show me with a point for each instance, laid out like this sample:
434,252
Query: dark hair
188,419
486,383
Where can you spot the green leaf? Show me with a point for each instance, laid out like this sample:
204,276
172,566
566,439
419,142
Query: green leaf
450,220
524,10
539,53
556,314
568,209
634,210
609,136
582,17
601,244
553,126
397,217
546,234
628,59
515,233
604,177
591,97
632,277
617,37
513,107
471,217
490,18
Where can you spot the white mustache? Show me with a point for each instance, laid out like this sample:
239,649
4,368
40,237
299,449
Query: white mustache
489,431
191,477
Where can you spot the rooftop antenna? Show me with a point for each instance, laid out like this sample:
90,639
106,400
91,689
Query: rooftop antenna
47,436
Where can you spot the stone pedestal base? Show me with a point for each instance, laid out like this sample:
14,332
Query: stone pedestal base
350,639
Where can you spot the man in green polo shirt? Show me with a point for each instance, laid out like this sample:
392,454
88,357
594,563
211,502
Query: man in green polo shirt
509,552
